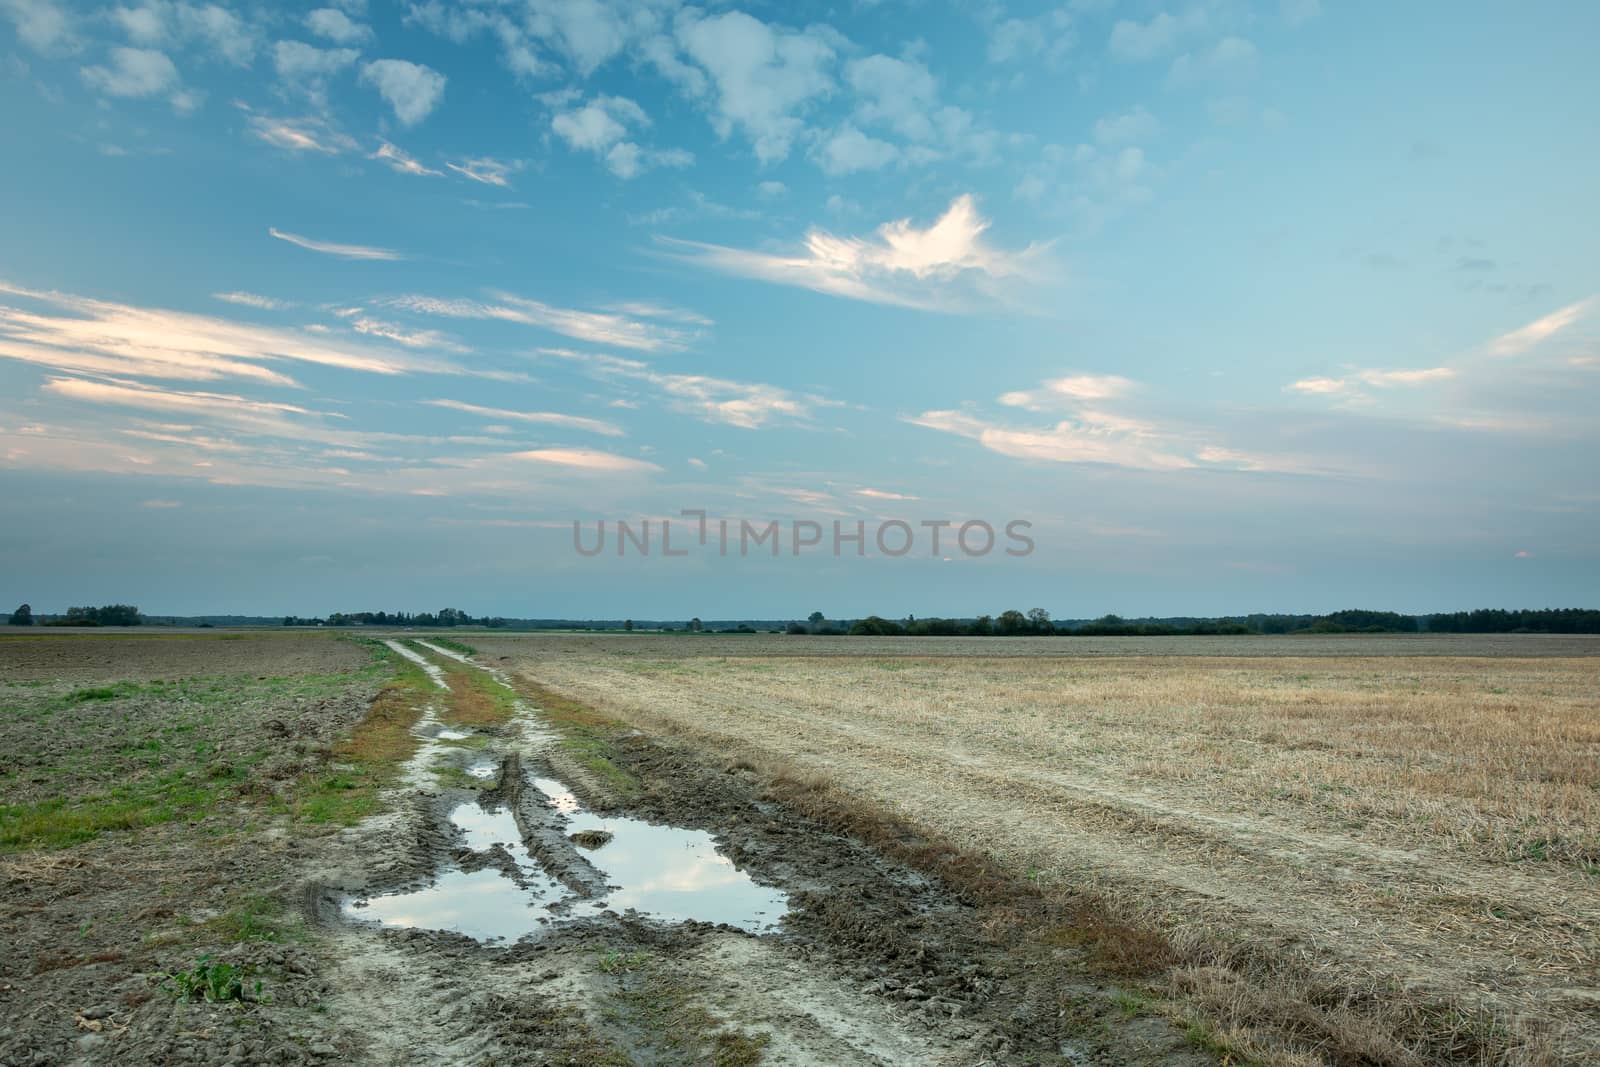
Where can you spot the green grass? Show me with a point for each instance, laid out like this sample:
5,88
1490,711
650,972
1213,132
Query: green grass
453,645
371,757
256,918
171,764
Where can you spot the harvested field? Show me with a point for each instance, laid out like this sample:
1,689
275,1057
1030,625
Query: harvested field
54,655
1419,832
649,850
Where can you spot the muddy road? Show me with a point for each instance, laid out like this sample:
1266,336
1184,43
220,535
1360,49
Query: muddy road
425,860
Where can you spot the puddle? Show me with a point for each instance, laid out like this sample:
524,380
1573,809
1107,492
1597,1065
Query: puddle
422,661
663,873
485,905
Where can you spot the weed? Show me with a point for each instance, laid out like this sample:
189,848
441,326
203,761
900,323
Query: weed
211,982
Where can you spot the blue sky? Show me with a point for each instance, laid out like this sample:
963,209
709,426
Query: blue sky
1242,306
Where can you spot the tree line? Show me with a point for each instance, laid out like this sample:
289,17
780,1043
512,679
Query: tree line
1037,622
105,615
445,617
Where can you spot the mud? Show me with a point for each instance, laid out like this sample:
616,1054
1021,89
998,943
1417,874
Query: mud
712,910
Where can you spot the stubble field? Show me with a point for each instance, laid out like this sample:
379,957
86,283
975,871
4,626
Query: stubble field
1405,846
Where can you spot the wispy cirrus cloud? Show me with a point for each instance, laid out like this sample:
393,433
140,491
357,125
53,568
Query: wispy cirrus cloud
330,248
1350,386
587,459
307,134
252,300
635,331
399,160
1540,330
1094,427
946,266
547,418
747,405
487,171
81,334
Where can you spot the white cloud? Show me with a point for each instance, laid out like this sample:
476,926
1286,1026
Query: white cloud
901,264
772,190
1070,390
336,26
588,460
1130,127
586,32
488,171
600,126
42,25
1068,441
330,249
1521,340
136,72
309,134
100,337
398,160
764,76
1230,59
548,418
297,61
1133,40
748,405
896,93
1349,386
884,494
847,150
411,89
162,23
253,300
597,327
1049,35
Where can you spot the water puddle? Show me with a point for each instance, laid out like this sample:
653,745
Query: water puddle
662,873
420,660
450,733
487,904
483,769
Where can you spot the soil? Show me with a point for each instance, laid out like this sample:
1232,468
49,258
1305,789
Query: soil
876,962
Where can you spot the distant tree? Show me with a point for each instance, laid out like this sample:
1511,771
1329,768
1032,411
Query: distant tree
628,625
982,626
1039,620
1011,622
796,628
23,616
816,618
873,626
695,625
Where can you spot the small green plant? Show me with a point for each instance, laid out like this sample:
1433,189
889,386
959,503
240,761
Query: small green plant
615,962
209,981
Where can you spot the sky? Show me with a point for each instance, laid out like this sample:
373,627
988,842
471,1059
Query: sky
1199,308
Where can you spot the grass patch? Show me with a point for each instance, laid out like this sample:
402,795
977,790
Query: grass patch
256,918
587,736
371,757
453,645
